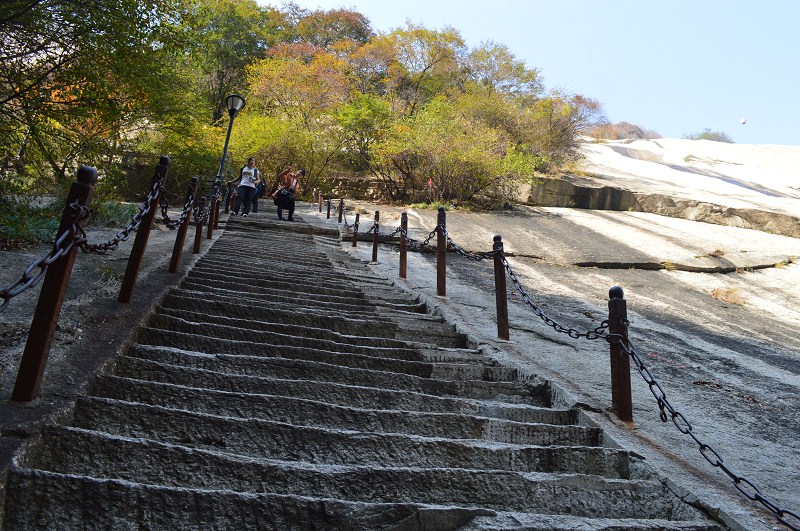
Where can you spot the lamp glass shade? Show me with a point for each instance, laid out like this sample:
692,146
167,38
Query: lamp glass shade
234,102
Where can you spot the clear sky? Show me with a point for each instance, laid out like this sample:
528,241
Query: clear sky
672,66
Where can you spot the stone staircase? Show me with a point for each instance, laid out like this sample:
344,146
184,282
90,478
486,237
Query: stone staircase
283,385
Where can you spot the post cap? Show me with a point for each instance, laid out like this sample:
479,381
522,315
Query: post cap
87,175
498,238
616,292
164,160
441,209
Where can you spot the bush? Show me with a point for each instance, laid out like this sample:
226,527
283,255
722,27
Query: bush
26,223
708,134
112,214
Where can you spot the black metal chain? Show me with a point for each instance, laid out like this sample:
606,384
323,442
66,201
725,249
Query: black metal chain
597,333
668,412
62,246
477,257
201,213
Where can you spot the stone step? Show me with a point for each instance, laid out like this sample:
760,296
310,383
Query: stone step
410,327
496,445
300,411
300,305
321,293
215,306
49,500
417,375
155,463
307,289
238,339
288,328
440,399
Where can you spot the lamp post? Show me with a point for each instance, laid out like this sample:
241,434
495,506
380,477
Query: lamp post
235,104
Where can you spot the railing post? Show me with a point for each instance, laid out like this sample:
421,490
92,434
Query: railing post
500,295
403,244
217,205
211,212
621,402
51,297
355,230
375,237
341,209
180,238
142,234
228,198
329,207
441,250
198,235
319,200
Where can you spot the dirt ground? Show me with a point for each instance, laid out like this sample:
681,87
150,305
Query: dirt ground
92,326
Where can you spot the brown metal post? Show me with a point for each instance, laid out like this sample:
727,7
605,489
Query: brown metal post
329,207
355,230
341,209
621,402
198,235
441,250
403,244
500,294
51,297
180,238
142,235
375,237
319,199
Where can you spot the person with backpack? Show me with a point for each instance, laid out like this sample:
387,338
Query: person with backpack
288,187
247,188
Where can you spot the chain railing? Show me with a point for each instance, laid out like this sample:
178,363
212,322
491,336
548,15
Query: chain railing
54,268
612,330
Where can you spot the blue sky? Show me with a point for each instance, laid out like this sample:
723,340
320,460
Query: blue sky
672,66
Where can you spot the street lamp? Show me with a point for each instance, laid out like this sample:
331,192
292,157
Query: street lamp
235,104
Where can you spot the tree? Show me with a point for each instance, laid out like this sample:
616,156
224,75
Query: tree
364,121
226,37
427,63
76,77
495,68
554,125
324,28
439,154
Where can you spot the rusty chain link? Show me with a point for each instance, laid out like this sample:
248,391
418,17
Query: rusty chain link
187,210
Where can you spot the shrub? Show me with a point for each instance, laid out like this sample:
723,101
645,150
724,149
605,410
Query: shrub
708,134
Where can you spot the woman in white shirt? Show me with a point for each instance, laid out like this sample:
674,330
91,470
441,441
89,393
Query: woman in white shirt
247,187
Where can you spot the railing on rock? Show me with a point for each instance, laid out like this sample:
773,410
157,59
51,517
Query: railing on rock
614,331
55,267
